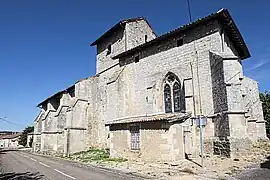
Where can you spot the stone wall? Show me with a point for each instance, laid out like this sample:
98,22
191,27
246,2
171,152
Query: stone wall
253,107
136,32
218,83
139,87
137,78
77,140
211,77
167,144
108,71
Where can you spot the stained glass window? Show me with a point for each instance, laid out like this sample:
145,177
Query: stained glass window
177,97
167,98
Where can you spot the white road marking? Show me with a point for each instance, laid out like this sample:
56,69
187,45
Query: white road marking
23,155
33,159
65,174
43,164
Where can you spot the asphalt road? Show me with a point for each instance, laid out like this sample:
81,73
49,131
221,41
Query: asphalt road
17,165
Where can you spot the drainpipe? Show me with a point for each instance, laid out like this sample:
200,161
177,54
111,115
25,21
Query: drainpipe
193,94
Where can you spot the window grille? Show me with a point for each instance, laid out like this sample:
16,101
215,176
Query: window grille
135,137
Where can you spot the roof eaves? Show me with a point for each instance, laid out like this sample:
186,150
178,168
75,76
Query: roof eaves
55,95
236,35
116,26
187,26
164,36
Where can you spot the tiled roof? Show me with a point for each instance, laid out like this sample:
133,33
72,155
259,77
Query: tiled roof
170,117
224,18
10,136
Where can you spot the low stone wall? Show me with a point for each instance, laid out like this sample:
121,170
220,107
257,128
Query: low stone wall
231,147
221,147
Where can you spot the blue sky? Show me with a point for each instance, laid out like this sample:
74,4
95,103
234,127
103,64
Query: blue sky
44,45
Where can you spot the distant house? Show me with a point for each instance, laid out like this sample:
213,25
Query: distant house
10,140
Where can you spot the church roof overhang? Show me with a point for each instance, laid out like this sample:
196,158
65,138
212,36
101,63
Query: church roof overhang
168,117
222,16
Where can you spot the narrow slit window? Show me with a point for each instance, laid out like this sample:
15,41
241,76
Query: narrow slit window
180,42
136,59
145,38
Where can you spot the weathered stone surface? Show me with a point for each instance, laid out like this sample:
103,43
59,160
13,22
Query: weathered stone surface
209,71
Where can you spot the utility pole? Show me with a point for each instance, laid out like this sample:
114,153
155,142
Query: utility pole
201,121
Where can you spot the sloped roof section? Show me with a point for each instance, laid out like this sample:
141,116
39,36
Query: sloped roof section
222,16
56,95
120,24
170,117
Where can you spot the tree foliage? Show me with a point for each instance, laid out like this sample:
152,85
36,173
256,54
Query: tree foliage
23,137
265,98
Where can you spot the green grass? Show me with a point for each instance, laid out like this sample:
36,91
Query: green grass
95,155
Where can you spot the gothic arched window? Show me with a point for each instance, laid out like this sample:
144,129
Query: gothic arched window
173,99
177,97
167,99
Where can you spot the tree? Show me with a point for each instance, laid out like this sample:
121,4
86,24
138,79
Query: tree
265,98
23,137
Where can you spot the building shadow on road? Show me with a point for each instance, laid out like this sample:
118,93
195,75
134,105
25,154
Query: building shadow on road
266,164
4,151
187,158
21,176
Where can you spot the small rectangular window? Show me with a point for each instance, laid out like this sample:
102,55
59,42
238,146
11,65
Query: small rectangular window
135,137
145,38
180,42
136,59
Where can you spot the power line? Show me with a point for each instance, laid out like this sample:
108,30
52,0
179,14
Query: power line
189,11
7,121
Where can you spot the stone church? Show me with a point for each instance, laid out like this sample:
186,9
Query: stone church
148,91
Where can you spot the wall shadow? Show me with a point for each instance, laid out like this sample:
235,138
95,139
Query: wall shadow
21,176
266,164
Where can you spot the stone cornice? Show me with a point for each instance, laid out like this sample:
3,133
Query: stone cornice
47,113
51,132
75,128
60,109
77,100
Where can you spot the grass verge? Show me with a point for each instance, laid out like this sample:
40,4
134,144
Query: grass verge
95,155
